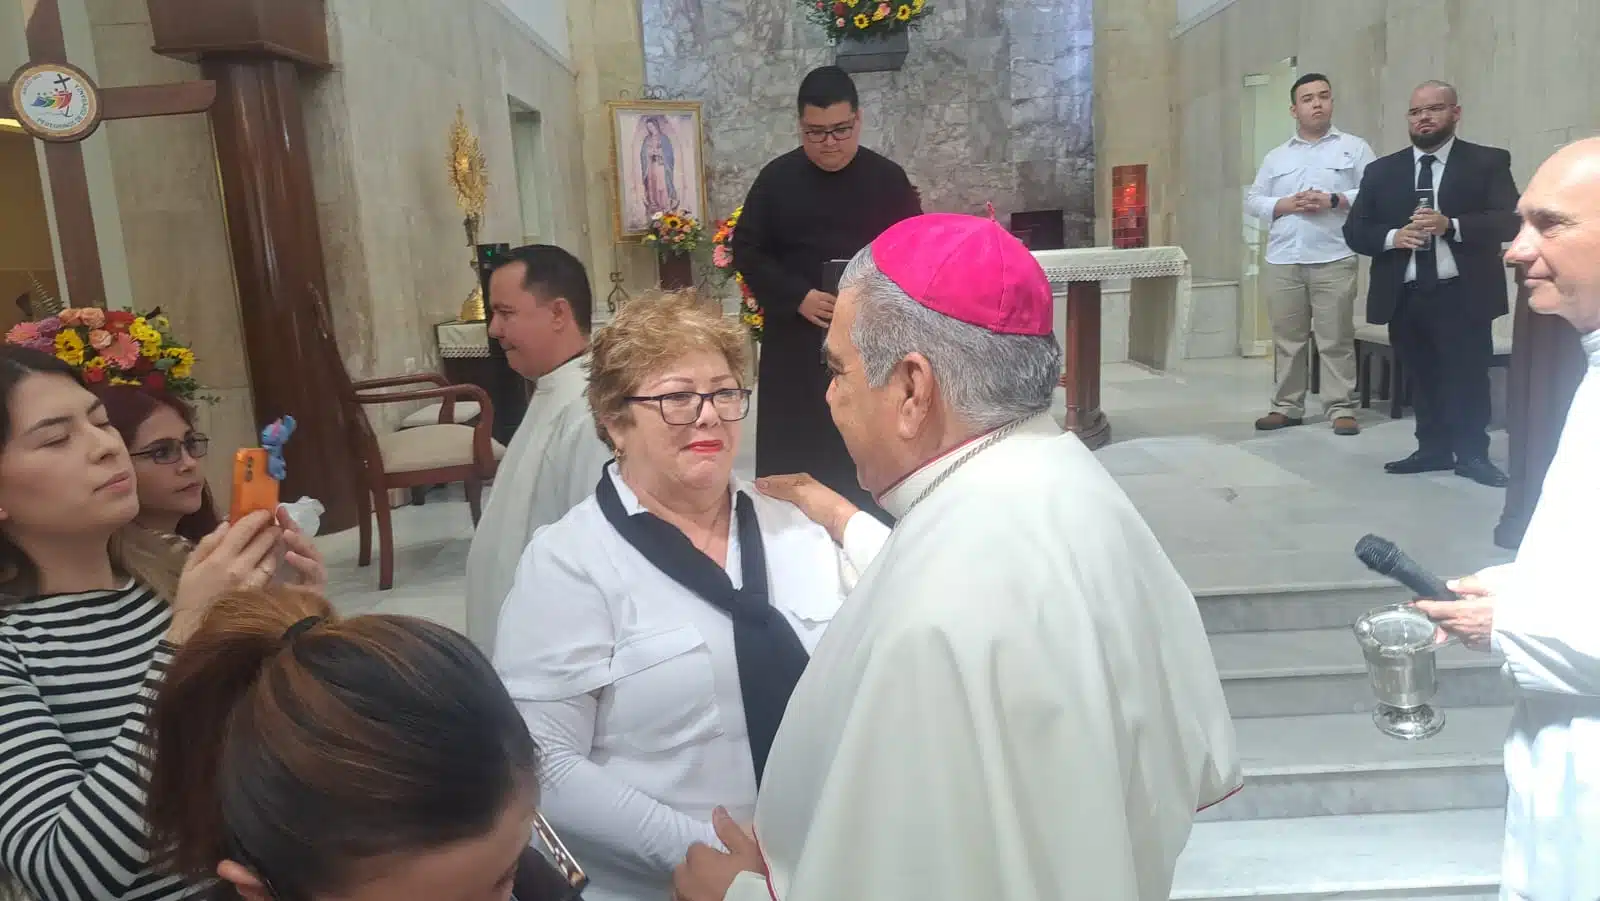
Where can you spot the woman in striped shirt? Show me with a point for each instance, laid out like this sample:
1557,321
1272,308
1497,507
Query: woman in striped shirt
90,612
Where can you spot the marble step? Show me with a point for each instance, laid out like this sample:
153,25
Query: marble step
1311,671
1300,766
1273,607
1438,855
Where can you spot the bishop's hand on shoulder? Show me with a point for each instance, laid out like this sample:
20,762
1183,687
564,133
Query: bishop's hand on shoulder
817,307
706,874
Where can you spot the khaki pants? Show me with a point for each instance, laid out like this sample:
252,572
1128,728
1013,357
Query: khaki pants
1306,299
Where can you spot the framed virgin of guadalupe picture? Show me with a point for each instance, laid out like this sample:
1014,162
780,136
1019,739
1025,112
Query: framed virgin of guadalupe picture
657,153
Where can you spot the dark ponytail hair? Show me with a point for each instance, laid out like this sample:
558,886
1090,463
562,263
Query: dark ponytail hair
298,745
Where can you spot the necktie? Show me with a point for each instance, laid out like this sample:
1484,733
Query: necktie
767,652
1427,258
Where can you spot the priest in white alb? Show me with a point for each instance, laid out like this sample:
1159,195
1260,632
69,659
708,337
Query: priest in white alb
1542,611
1018,701
542,308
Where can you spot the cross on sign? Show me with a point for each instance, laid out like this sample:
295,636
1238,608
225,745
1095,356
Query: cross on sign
69,183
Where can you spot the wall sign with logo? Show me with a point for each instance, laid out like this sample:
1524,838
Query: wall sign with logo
55,102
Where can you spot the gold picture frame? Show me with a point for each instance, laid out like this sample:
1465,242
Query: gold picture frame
660,176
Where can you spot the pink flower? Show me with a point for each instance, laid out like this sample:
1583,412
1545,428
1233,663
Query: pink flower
49,328
123,351
720,257
839,22
99,338
93,317
24,333
72,316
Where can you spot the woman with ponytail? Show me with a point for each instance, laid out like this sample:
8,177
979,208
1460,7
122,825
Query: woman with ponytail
90,611
301,757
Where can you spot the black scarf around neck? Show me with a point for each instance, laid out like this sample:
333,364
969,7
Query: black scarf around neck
769,654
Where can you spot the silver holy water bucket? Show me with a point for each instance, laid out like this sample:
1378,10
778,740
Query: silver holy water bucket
1401,646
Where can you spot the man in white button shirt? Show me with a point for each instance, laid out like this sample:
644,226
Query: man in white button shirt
1304,190
1433,217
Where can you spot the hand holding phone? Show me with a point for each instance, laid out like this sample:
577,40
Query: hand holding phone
254,488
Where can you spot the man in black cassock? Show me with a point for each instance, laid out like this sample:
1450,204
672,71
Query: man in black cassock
821,202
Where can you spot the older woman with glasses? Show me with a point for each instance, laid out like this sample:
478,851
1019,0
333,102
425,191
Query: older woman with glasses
654,634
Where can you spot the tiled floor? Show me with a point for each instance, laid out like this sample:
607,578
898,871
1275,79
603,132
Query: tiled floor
1234,508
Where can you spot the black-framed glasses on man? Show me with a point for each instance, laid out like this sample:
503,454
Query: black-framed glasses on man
170,450
683,407
837,132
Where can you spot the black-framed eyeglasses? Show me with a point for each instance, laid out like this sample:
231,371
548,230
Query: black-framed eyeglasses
683,407
170,450
837,132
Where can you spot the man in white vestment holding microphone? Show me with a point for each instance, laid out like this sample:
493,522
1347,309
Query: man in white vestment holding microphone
1542,611
1018,701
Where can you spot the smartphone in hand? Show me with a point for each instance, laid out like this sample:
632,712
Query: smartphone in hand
253,487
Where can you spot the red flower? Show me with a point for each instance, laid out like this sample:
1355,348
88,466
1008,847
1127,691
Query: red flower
143,365
840,9
94,374
119,319
155,381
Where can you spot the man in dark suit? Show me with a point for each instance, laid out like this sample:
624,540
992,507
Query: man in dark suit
1433,218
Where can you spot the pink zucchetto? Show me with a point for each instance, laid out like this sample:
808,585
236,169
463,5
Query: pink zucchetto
970,269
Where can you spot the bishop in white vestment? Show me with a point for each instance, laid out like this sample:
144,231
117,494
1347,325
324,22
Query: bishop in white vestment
1018,700
1542,611
542,305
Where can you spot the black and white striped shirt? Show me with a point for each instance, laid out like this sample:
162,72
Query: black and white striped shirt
77,672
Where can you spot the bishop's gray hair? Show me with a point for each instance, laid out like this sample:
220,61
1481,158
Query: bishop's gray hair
988,379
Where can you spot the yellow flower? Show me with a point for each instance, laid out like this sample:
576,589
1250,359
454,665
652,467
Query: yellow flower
851,3
916,6
903,13
69,347
96,363
185,364
671,222
148,337
862,21
119,380
882,12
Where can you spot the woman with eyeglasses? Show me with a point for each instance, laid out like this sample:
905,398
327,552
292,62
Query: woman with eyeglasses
298,756
654,634
91,608
159,430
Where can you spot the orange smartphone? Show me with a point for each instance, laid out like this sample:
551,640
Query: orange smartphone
253,487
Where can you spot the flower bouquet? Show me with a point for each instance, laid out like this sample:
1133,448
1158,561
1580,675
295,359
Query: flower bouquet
750,312
674,233
114,347
864,18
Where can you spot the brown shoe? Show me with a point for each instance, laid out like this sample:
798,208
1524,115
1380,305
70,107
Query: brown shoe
1274,421
1346,425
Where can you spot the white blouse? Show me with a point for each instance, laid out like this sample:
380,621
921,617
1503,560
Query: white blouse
628,682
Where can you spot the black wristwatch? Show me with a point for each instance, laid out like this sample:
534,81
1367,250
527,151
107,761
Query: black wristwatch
1333,200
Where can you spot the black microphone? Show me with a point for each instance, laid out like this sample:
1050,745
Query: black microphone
1382,557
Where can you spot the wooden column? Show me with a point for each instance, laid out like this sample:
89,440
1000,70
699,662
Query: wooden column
255,51
1547,363
1081,374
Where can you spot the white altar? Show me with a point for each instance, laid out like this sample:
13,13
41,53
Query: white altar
1160,305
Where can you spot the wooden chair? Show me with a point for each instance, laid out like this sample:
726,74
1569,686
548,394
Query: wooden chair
427,455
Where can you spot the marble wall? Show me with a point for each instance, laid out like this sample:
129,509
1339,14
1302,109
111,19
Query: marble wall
994,103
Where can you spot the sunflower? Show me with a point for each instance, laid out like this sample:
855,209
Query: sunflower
903,13
69,347
862,20
670,222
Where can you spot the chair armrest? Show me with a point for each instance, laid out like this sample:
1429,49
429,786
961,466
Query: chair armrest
482,450
431,378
